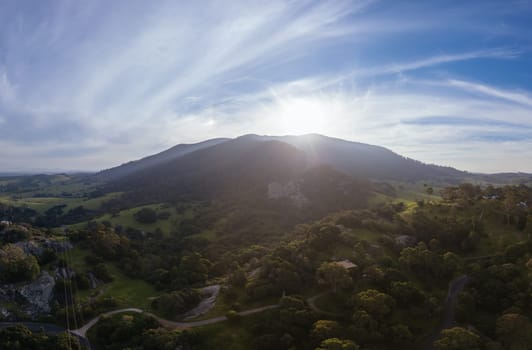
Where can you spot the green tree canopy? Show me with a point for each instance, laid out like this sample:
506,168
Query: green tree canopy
16,266
375,303
514,331
338,344
457,338
333,275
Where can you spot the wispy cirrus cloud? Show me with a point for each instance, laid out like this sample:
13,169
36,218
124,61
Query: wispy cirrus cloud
394,68
93,84
513,96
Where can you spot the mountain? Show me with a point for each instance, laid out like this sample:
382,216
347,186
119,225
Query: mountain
221,168
363,160
159,158
244,170
352,158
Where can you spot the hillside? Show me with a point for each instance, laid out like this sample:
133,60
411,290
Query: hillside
364,160
352,158
241,171
153,160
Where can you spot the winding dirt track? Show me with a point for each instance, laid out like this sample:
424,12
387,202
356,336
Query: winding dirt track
455,287
82,331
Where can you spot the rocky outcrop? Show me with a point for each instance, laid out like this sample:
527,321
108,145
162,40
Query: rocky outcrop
39,293
32,298
30,247
64,273
404,241
289,190
37,247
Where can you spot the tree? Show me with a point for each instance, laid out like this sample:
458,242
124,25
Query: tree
16,266
194,268
457,338
102,272
407,293
146,216
451,262
375,303
514,331
338,344
162,339
177,302
401,334
323,237
332,275
419,259
365,327
21,338
323,329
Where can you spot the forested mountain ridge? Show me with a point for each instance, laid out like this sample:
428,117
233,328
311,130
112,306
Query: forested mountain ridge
364,160
153,160
353,158
267,176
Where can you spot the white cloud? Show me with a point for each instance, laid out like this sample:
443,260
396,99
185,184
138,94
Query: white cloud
132,80
517,97
438,60
384,116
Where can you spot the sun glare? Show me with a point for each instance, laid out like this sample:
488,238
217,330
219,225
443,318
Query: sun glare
302,116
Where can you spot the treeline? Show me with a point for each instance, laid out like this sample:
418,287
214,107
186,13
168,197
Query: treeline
138,331
55,216
513,204
21,338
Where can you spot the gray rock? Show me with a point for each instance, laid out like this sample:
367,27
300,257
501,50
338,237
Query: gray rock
405,241
57,246
94,282
30,247
64,273
289,190
5,312
39,293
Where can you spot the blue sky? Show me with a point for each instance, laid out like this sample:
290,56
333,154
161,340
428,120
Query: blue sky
90,84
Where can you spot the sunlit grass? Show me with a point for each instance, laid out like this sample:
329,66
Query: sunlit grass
126,218
130,292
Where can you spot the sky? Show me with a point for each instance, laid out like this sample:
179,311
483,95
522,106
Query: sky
86,85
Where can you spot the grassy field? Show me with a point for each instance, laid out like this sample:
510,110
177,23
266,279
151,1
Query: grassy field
129,291
92,203
41,204
126,218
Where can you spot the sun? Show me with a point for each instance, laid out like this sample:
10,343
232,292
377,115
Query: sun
301,115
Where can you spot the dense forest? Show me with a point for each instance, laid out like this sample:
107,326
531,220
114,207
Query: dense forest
381,275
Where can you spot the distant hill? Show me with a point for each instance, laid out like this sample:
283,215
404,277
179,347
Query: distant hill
153,160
